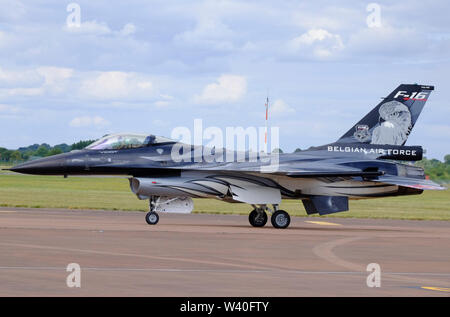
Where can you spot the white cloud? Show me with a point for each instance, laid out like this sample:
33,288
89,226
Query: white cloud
87,121
335,18
56,81
12,10
128,29
384,41
280,108
3,39
161,104
55,78
319,42
174,46
34,82
159,122
229,88
116,85
89,27
210,32
166,97
19,78
11,92
7,109
53,75
165,101
312,36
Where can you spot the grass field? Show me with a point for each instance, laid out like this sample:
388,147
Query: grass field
114,193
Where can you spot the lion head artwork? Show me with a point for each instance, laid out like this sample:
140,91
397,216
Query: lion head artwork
396,126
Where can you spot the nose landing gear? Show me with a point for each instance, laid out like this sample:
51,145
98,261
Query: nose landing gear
152,217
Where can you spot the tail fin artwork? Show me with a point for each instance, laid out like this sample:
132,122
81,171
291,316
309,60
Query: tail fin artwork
392,120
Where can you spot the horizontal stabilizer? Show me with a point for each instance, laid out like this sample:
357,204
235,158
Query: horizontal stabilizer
423,184
324,205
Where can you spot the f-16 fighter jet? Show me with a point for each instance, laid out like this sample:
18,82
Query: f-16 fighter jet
368,161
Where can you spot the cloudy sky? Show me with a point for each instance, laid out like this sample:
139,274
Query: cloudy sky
150,66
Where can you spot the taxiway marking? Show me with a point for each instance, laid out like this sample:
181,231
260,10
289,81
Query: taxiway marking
438,289
324,223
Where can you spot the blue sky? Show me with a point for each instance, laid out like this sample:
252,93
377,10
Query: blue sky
150,66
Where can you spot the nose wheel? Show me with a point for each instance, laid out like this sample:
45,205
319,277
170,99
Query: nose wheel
152,218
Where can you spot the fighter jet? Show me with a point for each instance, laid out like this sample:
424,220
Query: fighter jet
369,161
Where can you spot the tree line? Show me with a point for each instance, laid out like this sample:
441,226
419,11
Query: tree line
435,169
39,150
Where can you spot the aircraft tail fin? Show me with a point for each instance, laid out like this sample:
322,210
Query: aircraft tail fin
392,120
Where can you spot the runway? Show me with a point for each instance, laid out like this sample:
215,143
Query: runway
218,255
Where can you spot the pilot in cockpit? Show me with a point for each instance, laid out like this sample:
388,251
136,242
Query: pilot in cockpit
149,140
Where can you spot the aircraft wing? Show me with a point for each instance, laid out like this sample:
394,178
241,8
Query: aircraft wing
295,170
424,184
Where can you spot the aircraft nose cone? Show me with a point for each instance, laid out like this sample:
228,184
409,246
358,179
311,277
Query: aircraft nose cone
45,166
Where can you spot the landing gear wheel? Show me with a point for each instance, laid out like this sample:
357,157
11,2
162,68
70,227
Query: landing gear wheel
257,219
280,219
152,218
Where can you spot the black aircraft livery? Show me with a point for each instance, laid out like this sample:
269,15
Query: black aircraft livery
368,161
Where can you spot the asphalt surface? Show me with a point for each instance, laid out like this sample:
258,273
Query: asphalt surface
218,255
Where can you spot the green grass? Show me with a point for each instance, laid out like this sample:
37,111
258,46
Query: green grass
114,194
71,192
2,167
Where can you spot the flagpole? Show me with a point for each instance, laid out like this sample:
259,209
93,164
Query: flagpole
265,131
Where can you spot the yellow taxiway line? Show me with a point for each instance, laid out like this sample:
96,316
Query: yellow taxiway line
439,289
324,223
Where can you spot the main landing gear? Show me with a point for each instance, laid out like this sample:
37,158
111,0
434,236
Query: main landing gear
258,217
280,219
152,217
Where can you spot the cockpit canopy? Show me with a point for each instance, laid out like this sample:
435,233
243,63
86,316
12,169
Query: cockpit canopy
121,141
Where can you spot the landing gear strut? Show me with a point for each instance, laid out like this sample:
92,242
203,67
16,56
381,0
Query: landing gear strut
152,217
